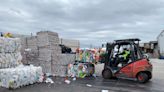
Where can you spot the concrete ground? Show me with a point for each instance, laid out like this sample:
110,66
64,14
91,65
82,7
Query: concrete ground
98,84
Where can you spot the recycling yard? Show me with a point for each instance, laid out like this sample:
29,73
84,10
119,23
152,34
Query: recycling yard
81,46
91,84
31,64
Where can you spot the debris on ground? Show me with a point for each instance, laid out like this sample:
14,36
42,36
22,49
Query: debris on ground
74,79
88,85
49,80
66,80
94,75
104,91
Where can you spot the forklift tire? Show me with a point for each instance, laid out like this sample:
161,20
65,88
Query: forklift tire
142,77
107,74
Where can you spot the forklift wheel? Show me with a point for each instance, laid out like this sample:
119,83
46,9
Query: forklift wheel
142,77
107,74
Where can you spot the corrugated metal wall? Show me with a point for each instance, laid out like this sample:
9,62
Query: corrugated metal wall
161,43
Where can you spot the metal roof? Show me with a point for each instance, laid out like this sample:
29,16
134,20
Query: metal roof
125,40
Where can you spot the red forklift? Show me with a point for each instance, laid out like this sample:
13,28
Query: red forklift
136,66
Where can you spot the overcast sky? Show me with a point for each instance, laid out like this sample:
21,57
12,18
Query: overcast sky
90,21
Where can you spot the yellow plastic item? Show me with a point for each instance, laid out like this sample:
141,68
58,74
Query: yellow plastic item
8,35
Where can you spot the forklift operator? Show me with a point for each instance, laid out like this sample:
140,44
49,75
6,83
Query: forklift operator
121,58
125,55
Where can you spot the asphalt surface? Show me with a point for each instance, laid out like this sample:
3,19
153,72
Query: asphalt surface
91,84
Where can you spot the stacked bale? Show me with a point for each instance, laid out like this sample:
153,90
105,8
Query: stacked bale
24,46
10,55
33,53
32,43
48,44
60,63
20,76
46,52
50,57
12,73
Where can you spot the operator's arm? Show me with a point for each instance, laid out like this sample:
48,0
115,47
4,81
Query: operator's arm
122,53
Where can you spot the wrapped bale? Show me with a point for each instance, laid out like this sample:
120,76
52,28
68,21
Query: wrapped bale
63,59
59,70
20,76
31,56
23,47
49,51
35,62
60,62
8,60
31,41
10,45
45,54
47,38
10,55
46,66
80,70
